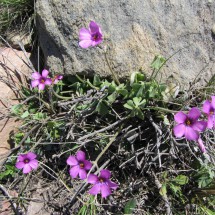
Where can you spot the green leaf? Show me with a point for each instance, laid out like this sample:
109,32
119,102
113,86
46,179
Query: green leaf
112,97
207,211
175,189
158,62
130,206
163,190
16,109
83,210
136,101
181,179
140,114
129,105
25,114
102,108
136,77
96,81
123,92
204,181
39,116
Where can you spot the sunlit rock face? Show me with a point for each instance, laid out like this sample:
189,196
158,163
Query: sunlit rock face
135,31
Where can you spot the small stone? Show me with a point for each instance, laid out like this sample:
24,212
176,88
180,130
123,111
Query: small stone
15,37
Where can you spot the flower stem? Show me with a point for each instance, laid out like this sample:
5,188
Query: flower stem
61,97
111,70
88,82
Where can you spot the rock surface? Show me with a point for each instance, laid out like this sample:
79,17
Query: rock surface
10,66
135,31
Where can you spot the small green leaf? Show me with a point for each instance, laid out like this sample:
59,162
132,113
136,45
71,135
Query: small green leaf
39,116
136,77
129,105
130,206
163,190
112,97
181,179
136,101
102,108
175,189
16,109
158,62
96,81
25,114
140,114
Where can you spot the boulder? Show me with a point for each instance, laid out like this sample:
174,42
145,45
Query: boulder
12,69
135,31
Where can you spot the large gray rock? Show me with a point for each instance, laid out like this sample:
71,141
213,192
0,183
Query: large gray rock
135,30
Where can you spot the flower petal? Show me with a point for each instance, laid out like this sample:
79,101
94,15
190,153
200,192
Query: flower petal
92,179
105,190
112,185
84,34
85,43
41,86
194,113
93,27
33,164
31,155
201,145
95,189
72,161
94,43
27,168
34,83
58,78
20,165
199,125
48,81
80,155
22,157
87,164
213,101
82,174
179,130
36,75
74,171
211,121
191,134
206,107
105,174
45,73
180,117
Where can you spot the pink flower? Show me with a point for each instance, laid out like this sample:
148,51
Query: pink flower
101,184
209,109
188,124
41,80
79,165
27,162
57,78
201,145
90,37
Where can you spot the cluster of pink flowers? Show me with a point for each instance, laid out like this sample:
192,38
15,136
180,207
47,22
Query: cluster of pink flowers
101,184
41,81
79,167
189,125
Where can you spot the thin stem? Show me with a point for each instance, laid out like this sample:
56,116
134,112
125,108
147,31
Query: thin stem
61,97
160,108
103,151
114,76
88,82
